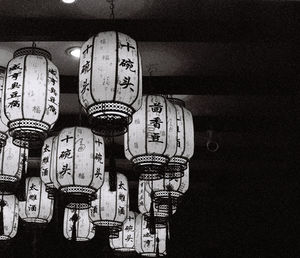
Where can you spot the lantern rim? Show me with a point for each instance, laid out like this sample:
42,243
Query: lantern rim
115,225
8,184
3,138
32,51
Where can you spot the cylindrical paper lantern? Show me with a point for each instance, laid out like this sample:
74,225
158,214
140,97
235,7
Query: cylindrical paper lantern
110,81
125,243
78,165
47,171
185,140
11,165
168,192
37,208
31,96
9,216
3,127
151,138
77,226
148,244
110,209
146,203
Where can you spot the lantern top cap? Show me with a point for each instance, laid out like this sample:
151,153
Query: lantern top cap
32,51
176,101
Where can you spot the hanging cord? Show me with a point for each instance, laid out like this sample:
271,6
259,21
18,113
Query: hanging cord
2,204
112,164
33,47
157,247
74,218
152,217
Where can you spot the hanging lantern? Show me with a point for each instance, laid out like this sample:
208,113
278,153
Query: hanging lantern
77,226
185,140
110,81
78,165
168,191
9,216
31,96
12,160
110,209
125,243
37,208
46,171
147,244
3,127
155,215
151,138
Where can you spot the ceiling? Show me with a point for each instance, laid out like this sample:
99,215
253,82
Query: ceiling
236,64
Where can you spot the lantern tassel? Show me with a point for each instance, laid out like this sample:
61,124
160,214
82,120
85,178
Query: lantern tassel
157,247
112,163
74,218
169,206
152,218
2,204
22,184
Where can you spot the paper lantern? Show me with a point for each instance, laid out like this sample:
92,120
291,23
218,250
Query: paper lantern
169,191
11,166
146,205
125,243
147,244
31,96
110,81
37,208
78,165
9,216
77,226
151,138
110,209
3,127
47,171
185,140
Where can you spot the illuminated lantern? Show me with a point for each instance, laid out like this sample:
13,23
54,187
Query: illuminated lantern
77,226
154,214
37,208
147,244
151,138
168,191
47,172
185,140
30,96
9,216
3,127
110,81
110,209
125,243
11,166
78,165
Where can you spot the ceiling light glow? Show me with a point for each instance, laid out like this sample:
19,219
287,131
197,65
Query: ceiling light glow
73,51
68,1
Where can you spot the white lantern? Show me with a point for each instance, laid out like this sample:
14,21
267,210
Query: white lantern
151,138
169,191
110,209
47,171
3,127
146,202
185,140
110,81
9,216
37,208
11,165
78,165
125,243
31,96
148,244
77,226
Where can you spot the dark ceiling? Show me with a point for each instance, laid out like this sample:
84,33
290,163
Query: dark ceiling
237,66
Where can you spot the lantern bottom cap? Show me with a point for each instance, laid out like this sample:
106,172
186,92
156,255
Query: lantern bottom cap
80,239
152,254
28,133
160,219
116,225
176,167
124,250
3,138
5,237
110,118
35,220
8,184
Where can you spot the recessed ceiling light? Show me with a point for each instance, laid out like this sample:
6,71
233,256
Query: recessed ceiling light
73,51
68,1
